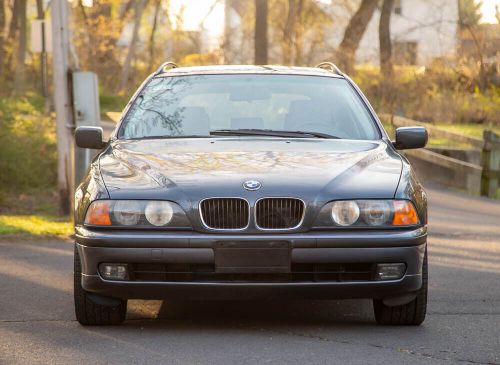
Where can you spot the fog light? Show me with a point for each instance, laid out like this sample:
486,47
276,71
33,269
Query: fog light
390,271
113,271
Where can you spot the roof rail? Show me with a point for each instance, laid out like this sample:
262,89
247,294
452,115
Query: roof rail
329,66
165,67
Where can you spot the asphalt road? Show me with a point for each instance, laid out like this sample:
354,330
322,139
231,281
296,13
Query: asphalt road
37,324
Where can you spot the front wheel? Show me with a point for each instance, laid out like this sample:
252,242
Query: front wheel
88,310
410,314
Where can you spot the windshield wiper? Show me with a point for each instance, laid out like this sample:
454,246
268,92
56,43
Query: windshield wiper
271,132
170,137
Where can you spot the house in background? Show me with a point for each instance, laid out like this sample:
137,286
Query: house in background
421,31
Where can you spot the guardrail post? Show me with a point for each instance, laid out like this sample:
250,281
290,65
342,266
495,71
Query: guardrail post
490,160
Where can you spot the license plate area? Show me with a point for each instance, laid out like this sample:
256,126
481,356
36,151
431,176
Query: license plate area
252,257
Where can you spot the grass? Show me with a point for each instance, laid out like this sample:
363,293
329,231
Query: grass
446,142
35,225
32,214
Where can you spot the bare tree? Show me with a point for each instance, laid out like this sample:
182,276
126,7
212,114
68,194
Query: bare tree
353,34
125,6
138,10
260,32
384,36
289,31
229,46
469,13
21,47
43,55
152,35
39,9
14,20
226,46
2,37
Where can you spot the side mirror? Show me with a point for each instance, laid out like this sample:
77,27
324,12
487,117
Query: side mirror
89,137
410,137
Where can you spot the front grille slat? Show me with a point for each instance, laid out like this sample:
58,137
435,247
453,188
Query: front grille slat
225,213
279,213
206,273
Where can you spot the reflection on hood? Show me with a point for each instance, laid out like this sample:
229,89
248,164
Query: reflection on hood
195,164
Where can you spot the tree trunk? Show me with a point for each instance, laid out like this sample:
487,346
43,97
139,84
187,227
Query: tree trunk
353,34
14,20
260,32
21,48
288,33
152,36
138,10
298,42
124,8
43,55
384,36
2,38
39,9
226,46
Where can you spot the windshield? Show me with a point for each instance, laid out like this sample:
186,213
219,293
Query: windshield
204,105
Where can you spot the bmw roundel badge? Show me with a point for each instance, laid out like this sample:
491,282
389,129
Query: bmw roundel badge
252,185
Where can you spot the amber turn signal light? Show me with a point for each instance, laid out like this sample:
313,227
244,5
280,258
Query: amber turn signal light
404,213
98,214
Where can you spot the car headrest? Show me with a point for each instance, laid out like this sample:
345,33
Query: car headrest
194,121
304,112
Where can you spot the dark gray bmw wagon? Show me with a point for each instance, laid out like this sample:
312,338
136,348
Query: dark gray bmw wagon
250,182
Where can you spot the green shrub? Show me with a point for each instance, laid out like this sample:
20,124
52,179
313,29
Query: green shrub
440,95
112,103
27,145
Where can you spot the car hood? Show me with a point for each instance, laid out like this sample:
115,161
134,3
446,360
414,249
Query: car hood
192,169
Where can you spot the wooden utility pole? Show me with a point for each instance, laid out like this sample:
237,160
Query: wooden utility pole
490,179
62,103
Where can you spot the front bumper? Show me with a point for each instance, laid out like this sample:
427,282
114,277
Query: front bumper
97,246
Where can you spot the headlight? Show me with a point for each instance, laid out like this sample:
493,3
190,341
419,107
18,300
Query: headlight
127,212
159,213
367,213
136,214
345,213
376,212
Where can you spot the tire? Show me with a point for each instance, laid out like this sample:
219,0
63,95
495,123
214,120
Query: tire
87,309
410,314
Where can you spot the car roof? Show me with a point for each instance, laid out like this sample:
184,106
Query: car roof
247,69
